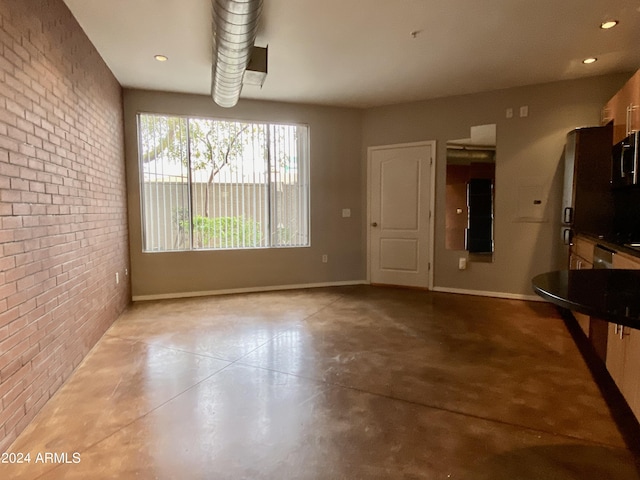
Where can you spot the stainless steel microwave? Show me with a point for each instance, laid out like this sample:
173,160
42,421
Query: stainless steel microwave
624,166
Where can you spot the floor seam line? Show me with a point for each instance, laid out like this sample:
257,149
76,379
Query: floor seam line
144,415
199,354
440,408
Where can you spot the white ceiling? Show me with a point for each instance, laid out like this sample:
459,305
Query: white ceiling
361,53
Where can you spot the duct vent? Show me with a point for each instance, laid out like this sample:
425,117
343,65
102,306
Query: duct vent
256,71
235,23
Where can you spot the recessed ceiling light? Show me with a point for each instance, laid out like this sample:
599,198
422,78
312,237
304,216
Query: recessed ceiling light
589,60
161,58
608,24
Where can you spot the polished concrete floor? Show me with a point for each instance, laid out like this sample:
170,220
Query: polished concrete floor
340,383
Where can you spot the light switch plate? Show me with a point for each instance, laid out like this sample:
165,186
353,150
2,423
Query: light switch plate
346,212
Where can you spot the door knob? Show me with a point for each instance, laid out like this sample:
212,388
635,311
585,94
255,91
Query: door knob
374,224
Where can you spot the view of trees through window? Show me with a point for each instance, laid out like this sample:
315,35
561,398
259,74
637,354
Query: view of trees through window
214,184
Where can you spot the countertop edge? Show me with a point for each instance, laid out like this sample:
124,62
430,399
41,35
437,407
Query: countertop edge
586,309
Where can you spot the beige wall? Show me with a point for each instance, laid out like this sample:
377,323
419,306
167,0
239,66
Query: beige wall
336,183
529,152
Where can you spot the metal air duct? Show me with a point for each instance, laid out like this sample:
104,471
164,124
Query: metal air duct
235,23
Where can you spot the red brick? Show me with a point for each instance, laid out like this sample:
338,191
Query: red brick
9,143
7,290
57,382
12,394
26,308
17,158
24,125
34,142
16,134
10,412
61,143
14,346
36,337
20,410
7,439
17,325
7,117
36,401
16,83
15,108
13,249
11,222
36,187
30,414
12,366
21,209
9,196
29,354
28,174
19,184
8,316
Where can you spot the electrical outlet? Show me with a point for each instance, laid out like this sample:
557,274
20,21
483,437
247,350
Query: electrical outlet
462,263
126,272
325,258
117,278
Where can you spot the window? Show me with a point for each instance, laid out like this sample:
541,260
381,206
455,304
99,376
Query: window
213,184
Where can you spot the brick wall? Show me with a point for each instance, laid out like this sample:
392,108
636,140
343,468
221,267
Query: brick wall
63,231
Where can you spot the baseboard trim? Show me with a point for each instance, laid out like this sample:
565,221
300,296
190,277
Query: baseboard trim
229,291
482,293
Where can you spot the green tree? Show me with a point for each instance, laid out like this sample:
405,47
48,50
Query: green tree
215,145
163,137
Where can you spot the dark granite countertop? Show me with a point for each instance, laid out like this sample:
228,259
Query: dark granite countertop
609,294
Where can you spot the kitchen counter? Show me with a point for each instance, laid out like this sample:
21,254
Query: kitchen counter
610,294
612,244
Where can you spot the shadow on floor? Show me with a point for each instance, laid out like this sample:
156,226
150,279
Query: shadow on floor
558,462
620,410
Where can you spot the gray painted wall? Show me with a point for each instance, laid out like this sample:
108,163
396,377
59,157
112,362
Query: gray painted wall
335,143
529,153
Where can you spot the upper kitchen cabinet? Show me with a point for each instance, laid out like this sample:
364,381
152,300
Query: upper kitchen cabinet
624,109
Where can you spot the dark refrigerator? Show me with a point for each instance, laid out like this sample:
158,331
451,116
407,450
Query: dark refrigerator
587,201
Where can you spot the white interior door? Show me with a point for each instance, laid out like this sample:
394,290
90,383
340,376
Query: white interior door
400,224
